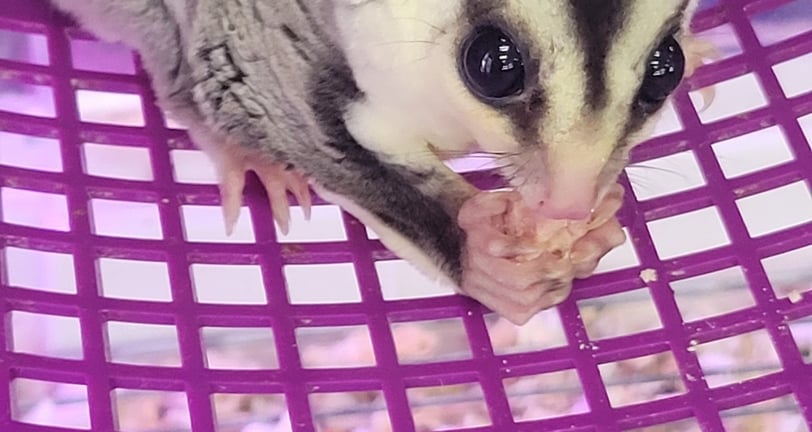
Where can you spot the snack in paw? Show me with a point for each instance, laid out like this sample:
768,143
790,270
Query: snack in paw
518,264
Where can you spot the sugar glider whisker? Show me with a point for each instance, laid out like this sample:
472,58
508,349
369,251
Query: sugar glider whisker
363,99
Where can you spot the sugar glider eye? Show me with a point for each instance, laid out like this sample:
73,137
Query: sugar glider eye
491,64
666,67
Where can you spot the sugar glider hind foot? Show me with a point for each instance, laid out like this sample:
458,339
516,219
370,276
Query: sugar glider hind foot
233,161
278,179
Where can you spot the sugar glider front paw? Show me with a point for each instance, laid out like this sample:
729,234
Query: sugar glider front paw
511,269
494,271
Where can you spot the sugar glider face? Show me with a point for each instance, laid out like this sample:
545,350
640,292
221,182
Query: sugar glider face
563,86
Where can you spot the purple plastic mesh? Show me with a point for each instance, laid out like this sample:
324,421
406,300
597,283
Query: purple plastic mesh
771,312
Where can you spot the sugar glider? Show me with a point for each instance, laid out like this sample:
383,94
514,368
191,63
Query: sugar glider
367,99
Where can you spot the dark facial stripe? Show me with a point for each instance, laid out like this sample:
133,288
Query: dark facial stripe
598,22
476,10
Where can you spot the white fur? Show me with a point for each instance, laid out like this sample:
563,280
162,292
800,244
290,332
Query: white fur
404,54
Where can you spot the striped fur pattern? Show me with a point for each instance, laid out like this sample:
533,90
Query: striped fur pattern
365,96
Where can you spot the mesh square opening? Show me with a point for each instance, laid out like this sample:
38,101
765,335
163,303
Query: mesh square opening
100,56
806,127
401,281
544,331
150,410
793,75
28,99
23,47
322,284
254,412
142,344
45,335
128,219
247,348
802,333
448,407
666,121
789,273
228,284
122,109
30,152
40,270
753,152
35,209
783,22
543,396
642,379
48,403
777,209
712,294
738,358
193,167
781,414
206,224
665,176
431,341
688,233
723,39
134,280
608,316
325,225
350,411
744,90
118,162
335,347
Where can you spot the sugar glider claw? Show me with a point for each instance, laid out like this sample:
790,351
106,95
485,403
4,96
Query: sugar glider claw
277,179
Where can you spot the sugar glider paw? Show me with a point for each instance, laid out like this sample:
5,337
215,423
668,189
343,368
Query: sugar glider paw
278,179
518,265
590,249
499,233
604,234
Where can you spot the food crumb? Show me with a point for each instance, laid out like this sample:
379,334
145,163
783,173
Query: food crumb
795,297
649,275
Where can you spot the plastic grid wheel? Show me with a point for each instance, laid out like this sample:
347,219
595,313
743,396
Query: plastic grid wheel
75,234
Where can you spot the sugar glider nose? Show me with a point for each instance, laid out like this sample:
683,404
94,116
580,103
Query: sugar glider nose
567,204
561,200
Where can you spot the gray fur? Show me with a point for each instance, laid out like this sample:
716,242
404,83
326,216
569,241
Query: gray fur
265,74
268,76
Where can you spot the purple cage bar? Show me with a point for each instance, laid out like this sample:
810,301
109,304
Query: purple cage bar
296,382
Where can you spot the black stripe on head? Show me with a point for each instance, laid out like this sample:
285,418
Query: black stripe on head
598,22
476,11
